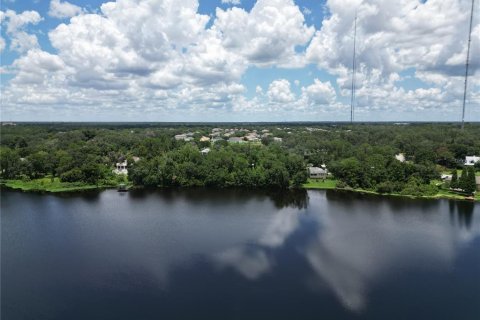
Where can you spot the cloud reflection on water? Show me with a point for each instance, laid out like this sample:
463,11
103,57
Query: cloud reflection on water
351,249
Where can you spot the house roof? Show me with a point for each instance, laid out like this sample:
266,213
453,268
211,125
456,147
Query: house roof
316,170
471,159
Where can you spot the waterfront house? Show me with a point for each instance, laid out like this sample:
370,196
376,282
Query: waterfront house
471,160
317,173
121,168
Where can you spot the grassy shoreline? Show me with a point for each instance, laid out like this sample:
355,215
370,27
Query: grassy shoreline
331,184
47,185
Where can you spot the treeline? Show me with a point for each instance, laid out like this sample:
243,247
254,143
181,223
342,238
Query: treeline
359,156
386,175
224,166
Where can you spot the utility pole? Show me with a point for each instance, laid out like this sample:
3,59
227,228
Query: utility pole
466,65
354,69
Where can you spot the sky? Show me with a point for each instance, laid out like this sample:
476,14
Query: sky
237,60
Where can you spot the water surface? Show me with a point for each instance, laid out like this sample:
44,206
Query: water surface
229,254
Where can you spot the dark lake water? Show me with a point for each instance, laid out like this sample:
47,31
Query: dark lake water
199,254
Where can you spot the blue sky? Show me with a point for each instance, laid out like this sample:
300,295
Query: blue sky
236,60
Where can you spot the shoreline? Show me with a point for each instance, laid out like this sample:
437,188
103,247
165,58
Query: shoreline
59,187
330,185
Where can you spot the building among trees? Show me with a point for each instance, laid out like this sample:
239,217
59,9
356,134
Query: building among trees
317,173
471,160
121,167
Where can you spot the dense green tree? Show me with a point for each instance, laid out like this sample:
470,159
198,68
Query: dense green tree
454,181
470,184
463,180
9,163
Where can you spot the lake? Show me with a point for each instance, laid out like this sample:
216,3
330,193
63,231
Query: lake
233,254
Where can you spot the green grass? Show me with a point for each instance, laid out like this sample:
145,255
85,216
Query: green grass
332,183
320,184
46,184
459,172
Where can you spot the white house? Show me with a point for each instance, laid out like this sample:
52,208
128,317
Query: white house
180,137
471,160
121,168
317,173
205,151
400,157
446,177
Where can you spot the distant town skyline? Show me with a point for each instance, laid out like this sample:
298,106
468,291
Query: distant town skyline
237,60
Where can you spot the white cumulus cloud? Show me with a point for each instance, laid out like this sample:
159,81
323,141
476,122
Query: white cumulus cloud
63,10
319,93
268,34
279,91
20,40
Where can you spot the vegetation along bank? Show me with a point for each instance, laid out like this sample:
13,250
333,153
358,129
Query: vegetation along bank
421,160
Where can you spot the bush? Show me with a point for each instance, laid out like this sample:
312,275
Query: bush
385,187
341,185
415,187
390,187
299,178
73,175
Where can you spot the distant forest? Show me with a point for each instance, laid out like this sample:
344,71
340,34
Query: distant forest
358,156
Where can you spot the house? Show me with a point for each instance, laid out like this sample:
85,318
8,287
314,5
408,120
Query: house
277,139
317,173
121,168
180,137
236,139
205,151
400,157
446,177
252,137
204,139
471,160
214,140
135,159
